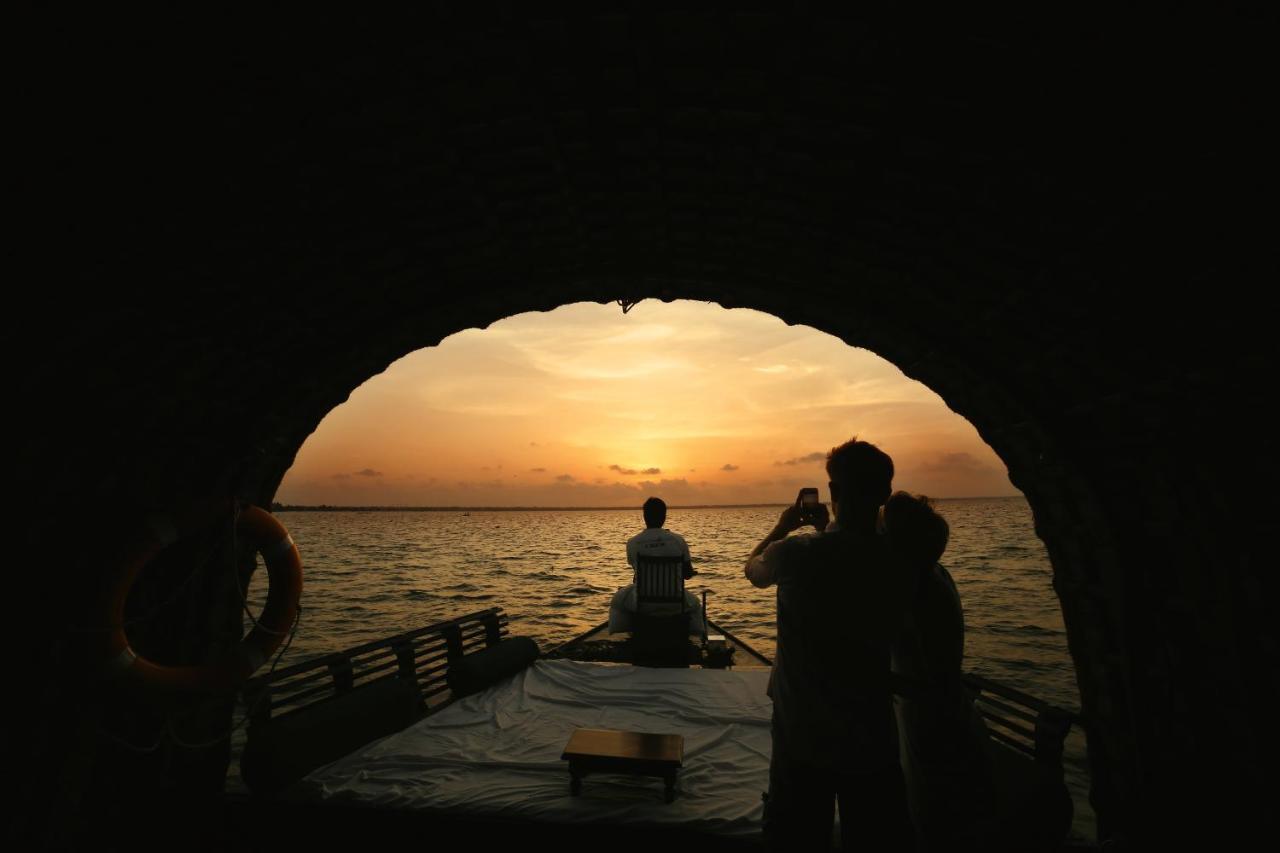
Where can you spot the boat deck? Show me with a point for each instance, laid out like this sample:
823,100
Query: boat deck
377,738
498,753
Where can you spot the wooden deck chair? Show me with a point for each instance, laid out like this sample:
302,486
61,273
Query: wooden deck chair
661,634
659,585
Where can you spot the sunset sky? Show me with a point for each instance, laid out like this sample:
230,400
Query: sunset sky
586,406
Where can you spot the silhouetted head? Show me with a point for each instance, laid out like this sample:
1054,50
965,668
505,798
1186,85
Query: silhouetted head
861,479
916,532
655,512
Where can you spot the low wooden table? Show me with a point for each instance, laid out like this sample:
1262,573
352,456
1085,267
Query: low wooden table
635,753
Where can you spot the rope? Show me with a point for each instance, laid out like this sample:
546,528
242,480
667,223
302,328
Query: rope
244,598
182,588
244,594
249,712
132,747
177,593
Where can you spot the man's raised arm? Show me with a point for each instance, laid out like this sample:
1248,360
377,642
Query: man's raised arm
759,570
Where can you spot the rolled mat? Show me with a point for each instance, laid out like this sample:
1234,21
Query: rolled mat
475,672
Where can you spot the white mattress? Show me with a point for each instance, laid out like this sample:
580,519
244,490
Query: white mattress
497,754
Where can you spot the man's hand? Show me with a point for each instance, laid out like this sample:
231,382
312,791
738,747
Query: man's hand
792,518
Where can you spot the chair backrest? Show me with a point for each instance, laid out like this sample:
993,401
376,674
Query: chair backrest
659,580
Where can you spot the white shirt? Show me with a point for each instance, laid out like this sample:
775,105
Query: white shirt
657,542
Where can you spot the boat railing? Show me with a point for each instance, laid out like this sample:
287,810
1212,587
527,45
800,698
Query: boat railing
421,656
1031,727
1020,721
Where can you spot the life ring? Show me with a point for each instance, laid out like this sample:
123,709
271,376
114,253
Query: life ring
269,538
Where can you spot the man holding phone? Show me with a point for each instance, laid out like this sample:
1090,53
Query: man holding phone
840,605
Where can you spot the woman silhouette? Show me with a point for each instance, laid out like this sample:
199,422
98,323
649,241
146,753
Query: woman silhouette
943,740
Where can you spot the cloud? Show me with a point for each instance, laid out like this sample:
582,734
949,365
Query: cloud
564,478
728,467
681,483
538,470
955,474
365,472
816,456
955,463
632,471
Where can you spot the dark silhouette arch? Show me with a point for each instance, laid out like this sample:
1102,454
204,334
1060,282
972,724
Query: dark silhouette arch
1022,217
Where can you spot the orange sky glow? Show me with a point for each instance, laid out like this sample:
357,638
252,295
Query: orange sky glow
586,406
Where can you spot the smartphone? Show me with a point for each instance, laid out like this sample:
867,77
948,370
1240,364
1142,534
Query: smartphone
808,499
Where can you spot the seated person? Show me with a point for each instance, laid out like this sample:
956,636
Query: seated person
654,541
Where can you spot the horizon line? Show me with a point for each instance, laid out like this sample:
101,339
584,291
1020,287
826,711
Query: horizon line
276,506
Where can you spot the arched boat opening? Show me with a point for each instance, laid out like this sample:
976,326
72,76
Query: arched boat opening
724,413
1047,224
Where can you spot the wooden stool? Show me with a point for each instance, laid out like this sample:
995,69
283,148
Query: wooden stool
634,753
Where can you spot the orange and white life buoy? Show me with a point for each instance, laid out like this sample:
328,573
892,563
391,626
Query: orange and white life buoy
284,570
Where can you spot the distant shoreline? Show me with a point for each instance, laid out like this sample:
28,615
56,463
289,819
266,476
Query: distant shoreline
276,507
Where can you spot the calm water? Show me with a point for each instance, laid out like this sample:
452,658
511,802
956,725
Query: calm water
371,574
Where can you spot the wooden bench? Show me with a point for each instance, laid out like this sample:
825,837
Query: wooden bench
633,753
305,715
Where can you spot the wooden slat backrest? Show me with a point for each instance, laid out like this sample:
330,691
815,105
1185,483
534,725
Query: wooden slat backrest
1021,722
659,580
423,654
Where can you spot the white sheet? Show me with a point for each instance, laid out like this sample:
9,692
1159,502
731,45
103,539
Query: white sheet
497,754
